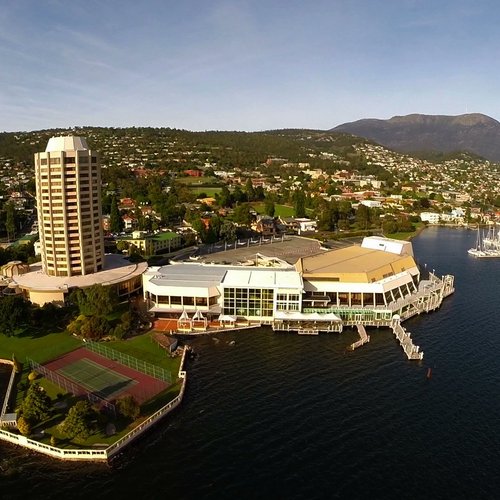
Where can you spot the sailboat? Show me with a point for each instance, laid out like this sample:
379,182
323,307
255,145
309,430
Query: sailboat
492,240
488,246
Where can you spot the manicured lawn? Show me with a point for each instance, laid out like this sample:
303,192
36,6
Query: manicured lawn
198,181
40,348
51,389
143,347
279,210
209,191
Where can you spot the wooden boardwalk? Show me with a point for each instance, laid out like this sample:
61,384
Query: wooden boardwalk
411,350
363,338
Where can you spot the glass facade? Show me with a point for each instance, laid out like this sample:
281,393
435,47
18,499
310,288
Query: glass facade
248,302
288,302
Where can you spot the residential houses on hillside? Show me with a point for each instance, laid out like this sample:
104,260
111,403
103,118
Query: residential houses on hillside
457,190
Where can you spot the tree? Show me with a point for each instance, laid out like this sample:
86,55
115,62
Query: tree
115,221
17,365
224,198
425,203
238,195
242,215
74,328
15,312
118,332
405,225
209,172
10,221
269,207
78,422
95,300
36,404
128,407
389,226
249,190
95,327
24,426
299,207
363,216
228,231
328,216
345,210
259,193
122,245
467,215
126,320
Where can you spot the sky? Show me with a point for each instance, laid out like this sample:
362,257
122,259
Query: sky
244,64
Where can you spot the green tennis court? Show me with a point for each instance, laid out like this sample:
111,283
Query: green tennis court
96,378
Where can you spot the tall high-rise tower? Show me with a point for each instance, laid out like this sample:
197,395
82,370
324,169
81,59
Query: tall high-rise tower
68,190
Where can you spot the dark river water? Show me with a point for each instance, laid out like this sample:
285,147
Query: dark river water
283,416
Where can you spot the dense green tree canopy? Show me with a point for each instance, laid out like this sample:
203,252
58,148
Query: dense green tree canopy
128,407
95,300
36,404
299,203
242,214
78,422
15,313
363,216
115,220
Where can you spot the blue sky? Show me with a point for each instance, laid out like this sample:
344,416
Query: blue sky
244,64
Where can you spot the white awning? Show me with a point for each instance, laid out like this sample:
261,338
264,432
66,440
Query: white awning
184,316
298,316
229,319
198,315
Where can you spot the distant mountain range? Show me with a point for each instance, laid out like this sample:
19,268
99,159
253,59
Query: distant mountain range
475,133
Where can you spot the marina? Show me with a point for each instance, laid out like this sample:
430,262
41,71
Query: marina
487,245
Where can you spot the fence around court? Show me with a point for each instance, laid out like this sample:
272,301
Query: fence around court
68,386
134,363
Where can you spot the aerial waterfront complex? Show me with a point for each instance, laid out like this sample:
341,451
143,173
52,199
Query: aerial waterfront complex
290,284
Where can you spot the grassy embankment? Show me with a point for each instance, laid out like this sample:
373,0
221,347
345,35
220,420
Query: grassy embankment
419,226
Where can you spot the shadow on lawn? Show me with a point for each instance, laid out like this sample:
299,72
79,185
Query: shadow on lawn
35,332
